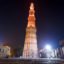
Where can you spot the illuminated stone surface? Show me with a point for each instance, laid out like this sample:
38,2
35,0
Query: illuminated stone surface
30,46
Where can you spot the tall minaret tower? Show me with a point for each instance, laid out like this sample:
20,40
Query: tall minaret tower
30,46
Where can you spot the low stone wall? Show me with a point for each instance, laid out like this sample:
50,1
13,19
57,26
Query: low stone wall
30,61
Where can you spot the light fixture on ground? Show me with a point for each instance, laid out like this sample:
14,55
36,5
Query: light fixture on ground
49,51
48,47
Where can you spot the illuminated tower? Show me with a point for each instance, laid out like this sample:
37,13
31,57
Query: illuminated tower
30,46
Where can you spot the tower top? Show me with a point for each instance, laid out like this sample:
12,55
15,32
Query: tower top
32,6
31,17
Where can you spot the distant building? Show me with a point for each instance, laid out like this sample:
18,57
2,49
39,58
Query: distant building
59,52
54,53
5,51
61,42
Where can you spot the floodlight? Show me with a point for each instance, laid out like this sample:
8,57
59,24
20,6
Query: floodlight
48,47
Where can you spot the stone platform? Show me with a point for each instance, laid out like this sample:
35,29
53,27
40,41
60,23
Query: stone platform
31,61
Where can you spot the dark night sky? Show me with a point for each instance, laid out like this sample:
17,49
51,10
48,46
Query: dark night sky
49,21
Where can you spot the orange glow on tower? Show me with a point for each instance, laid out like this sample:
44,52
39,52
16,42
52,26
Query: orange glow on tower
30,46
31,17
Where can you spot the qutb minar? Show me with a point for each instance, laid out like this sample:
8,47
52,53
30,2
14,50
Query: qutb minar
30,46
